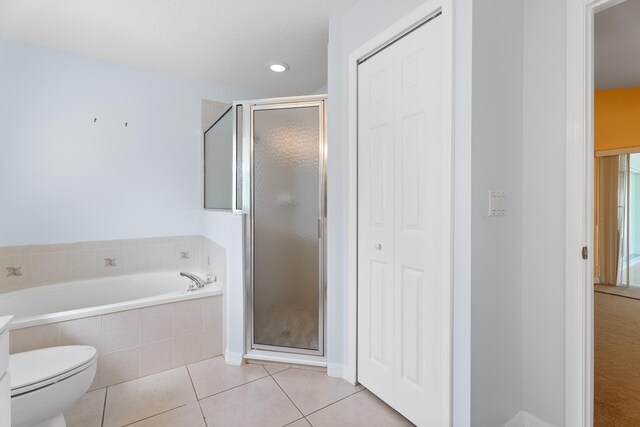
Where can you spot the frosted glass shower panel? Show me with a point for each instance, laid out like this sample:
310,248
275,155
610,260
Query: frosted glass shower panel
286,213
218,164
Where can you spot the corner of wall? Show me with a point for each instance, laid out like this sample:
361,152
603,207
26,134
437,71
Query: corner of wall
339,370
525,419
543,206
233,358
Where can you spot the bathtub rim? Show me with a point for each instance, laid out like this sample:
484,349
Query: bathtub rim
210,290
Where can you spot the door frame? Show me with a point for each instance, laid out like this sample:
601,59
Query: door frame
579,221
383,39
273,352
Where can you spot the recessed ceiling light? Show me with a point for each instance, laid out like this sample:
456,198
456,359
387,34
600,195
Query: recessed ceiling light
278,67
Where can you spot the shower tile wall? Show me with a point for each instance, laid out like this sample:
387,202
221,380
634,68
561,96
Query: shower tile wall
36,265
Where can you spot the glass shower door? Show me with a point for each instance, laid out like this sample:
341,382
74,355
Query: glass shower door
287,218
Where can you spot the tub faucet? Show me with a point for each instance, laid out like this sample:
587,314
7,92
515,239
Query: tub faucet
196,282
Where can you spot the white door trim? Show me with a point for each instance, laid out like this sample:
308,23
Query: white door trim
382,39
579,211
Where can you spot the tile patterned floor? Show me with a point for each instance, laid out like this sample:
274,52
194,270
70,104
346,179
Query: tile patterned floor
213,394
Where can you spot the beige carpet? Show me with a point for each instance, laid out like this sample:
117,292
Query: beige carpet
616,359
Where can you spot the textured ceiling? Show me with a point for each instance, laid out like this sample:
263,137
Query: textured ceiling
227,42
617,46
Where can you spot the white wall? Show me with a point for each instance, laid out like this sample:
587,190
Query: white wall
543,226
496,241
65,178
347,33
226,228
462,213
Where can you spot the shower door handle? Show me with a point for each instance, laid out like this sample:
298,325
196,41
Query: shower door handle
320,229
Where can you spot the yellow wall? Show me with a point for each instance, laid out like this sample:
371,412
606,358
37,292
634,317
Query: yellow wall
617,119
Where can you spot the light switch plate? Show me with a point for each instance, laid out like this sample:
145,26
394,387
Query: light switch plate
497,203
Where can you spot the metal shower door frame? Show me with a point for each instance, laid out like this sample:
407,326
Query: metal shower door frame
248,109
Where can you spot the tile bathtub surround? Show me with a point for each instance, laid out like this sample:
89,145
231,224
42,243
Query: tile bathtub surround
28,266
136,343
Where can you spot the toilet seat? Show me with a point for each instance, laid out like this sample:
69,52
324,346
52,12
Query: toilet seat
33,370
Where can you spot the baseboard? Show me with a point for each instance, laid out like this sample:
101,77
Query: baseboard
279,357
525,419
235,359
337,370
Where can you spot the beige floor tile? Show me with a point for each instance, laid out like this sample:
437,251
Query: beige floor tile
359,410
274,369
300,423
258,404
312,390
185,416
87,412
144,397
212,376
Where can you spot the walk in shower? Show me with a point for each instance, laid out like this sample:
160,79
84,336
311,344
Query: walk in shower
280,154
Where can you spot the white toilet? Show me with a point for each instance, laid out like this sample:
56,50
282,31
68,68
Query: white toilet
44,383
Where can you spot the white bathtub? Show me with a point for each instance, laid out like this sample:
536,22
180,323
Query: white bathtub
67,301
140,324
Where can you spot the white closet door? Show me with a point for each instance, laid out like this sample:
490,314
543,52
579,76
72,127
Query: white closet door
375,226
403,205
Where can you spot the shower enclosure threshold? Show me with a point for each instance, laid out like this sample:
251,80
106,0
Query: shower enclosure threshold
281,357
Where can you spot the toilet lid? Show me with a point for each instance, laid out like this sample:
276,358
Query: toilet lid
33,369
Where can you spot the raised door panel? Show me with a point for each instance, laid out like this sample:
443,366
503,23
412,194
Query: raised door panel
420,215
375,226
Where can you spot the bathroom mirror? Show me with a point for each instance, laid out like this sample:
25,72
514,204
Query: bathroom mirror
218,163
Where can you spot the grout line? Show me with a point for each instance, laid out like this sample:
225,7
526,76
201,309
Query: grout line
285,369
270,374
196,394
155,415
295,421
159,413
234,387
317,410
141,377
333,403
285,393
104,405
